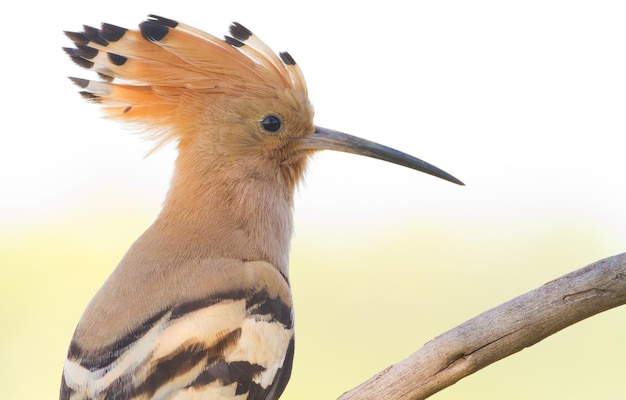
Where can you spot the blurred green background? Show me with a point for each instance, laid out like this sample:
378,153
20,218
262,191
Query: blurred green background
524,101
364,300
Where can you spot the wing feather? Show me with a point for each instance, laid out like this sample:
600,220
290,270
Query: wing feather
239,344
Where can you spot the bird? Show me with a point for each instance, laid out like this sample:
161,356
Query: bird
200,306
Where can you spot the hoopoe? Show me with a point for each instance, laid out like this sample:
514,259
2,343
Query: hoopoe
200,306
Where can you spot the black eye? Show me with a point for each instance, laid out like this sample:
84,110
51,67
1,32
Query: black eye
271,123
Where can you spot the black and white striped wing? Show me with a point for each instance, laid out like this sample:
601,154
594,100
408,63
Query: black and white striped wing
228,346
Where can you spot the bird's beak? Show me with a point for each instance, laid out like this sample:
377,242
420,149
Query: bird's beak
328,139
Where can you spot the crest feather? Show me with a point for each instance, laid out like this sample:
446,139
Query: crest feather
151,74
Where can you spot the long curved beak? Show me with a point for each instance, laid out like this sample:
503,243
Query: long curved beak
328,139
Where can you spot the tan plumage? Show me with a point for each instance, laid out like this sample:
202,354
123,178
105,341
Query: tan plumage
200,306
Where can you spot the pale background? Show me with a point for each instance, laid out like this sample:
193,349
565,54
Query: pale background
524,101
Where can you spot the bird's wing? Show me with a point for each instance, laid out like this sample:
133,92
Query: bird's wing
236,343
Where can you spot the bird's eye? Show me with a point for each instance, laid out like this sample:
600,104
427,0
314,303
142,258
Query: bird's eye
271,124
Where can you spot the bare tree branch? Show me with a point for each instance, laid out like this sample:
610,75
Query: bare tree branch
500,332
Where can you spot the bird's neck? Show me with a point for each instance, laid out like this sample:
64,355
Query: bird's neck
228,211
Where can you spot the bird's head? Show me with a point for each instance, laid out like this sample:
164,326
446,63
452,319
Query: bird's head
229,101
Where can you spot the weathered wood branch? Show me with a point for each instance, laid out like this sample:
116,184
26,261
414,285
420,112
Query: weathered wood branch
500,332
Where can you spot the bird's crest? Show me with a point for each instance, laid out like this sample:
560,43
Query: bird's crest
152,75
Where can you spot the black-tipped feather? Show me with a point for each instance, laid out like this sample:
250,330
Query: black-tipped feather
112,33
93,34
117,59
77,58
89,96
163,21
105,77
233,42
287,58
86,51
80,82
153,31
77,37
240,32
